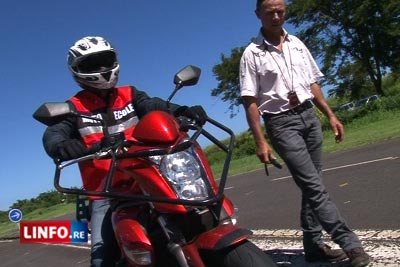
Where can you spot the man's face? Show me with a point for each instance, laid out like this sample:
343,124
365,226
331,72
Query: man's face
272,15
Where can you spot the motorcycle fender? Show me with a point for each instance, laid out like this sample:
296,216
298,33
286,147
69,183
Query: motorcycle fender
221,237
128,230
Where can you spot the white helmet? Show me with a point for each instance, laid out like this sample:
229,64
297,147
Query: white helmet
93,63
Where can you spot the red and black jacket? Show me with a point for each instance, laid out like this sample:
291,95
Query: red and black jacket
122,109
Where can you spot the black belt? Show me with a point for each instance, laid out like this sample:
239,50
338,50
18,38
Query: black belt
296,110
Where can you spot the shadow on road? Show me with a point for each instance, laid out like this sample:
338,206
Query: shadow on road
295,257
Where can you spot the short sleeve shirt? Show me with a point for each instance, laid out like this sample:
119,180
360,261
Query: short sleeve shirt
269,74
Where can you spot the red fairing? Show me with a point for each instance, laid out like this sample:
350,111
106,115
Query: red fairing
124,221
129,232
228,206
157,127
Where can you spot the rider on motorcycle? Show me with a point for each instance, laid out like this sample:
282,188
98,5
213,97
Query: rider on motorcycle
94,66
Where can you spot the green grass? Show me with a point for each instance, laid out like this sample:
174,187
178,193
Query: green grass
377,126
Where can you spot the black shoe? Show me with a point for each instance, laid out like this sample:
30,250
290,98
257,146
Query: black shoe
325,253
358,257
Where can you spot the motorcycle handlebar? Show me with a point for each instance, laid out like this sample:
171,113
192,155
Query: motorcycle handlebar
101,152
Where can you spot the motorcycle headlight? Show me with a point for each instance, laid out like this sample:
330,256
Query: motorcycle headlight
184,174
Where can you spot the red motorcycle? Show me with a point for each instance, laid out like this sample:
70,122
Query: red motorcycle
168,209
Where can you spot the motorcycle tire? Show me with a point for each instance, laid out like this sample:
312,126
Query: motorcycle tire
244,254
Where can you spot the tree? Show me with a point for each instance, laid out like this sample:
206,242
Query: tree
350,34
357,41
227,75
354,82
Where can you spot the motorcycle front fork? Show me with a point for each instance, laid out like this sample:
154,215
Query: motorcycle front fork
185,256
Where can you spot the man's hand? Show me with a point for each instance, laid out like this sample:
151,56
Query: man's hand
337,128
71,149
319,101
264,153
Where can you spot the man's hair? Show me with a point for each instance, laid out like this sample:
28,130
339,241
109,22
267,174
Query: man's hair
259,3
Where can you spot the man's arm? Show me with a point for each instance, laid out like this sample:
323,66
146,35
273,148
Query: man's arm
263,150
323,106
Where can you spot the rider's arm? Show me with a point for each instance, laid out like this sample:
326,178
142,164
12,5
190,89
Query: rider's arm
144,103
56,134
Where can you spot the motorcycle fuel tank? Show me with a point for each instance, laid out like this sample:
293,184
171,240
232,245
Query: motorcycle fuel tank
157,127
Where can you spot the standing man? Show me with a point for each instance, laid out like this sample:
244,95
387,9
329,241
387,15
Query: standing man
278,80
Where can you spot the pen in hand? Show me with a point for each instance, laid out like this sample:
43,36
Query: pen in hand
273,162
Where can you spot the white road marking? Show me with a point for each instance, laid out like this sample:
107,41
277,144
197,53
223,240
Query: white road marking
80,246
360,163
343,166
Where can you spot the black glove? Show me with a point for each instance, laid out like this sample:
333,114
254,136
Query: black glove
196,113
71,149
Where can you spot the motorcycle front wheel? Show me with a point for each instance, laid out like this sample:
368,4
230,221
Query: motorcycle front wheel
244,254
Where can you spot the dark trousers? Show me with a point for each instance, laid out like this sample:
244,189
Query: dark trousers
297,138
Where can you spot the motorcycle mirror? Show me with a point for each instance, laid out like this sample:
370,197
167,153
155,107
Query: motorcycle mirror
51,113
187,76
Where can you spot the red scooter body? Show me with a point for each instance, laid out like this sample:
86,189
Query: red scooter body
160,130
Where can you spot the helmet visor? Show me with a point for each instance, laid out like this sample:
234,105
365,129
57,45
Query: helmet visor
98,62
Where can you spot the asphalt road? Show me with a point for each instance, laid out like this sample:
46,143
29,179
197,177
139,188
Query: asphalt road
364,183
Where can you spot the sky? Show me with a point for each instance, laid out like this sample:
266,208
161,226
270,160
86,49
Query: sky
154,40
